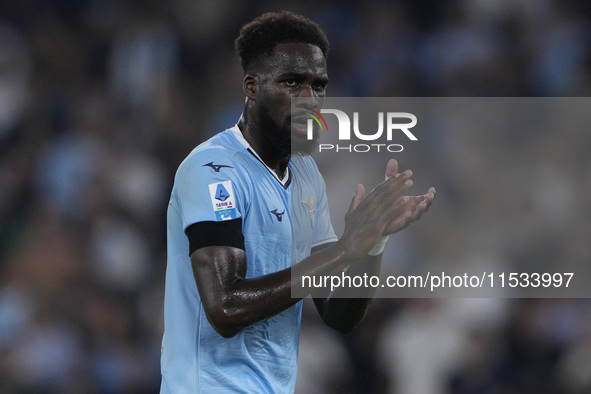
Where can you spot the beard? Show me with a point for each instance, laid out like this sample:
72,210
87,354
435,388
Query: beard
281,138
304,145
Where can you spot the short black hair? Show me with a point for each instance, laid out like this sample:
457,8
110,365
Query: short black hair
260,37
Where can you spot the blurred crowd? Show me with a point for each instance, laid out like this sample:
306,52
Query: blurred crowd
101,100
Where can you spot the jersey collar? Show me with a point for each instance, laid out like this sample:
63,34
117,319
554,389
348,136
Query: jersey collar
238,135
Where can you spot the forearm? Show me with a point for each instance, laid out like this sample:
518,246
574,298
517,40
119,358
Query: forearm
344,308
247,301
235,302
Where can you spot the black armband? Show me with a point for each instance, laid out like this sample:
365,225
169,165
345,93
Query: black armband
226,233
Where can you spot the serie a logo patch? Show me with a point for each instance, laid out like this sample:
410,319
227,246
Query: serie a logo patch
223,201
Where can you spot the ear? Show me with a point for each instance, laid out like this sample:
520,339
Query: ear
250,86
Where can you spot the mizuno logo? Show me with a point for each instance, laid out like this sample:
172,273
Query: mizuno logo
279,215
216,167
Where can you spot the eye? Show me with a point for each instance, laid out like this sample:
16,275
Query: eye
320,86
290,83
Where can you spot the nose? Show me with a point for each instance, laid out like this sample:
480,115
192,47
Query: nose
308,98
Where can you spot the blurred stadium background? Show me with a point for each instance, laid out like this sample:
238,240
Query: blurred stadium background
101,100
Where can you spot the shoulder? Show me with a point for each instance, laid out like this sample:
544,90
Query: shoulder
218,155
222,146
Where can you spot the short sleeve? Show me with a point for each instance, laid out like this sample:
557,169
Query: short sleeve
208,188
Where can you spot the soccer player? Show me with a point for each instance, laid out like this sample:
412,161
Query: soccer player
244,211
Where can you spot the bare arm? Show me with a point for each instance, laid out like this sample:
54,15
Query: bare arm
232,302
337,309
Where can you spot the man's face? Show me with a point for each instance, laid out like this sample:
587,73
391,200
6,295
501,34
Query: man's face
293,71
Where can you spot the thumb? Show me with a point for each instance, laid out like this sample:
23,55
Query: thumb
359,195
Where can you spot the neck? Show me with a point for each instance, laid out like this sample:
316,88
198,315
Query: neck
271,156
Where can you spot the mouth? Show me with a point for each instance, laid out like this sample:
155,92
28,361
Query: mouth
299,125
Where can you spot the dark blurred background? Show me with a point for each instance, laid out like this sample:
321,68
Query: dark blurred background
101,100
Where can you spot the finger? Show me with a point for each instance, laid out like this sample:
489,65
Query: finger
391,189
391,168
399,188
414,211
399,180
399,208
429,197
394,196
386,198
423,205
431,193
410,209
359,195
416,215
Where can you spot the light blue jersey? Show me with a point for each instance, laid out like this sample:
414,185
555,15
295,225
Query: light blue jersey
223,179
